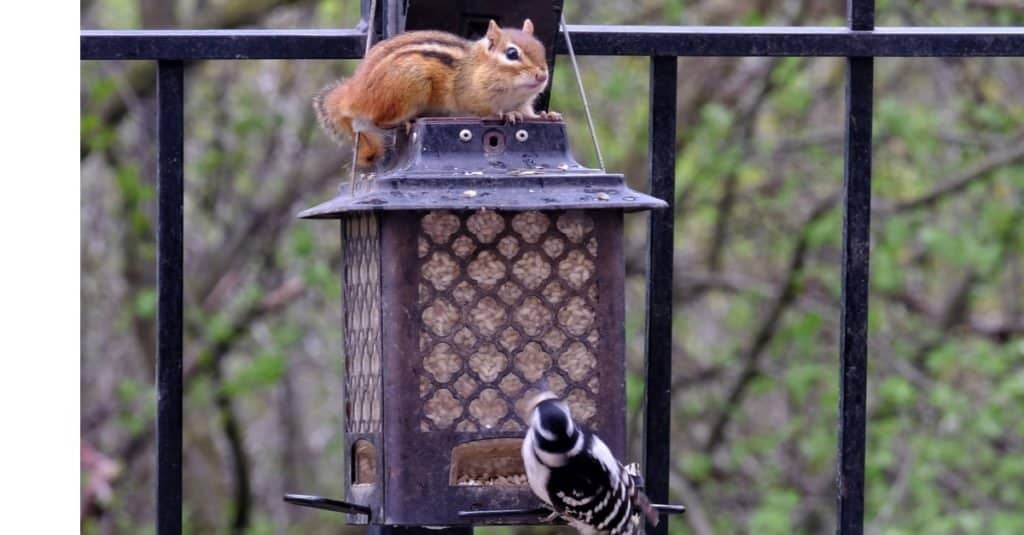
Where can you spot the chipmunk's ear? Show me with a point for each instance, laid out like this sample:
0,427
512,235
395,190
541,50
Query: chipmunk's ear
528,26
493,34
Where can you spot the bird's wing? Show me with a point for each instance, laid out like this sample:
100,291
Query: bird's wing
578,488
637,496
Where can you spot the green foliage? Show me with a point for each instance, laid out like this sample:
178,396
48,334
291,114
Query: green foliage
774,515
93,131
896,392
261,371
145,303
696,466
137,406
634,391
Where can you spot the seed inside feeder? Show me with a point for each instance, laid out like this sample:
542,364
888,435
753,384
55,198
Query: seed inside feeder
495,462
364,463
506,300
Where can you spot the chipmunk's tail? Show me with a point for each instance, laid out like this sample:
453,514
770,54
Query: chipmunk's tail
326,104
332,113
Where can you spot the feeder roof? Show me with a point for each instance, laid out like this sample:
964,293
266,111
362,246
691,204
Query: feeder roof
471,164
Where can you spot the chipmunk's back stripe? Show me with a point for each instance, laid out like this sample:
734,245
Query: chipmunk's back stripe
443,57
454,43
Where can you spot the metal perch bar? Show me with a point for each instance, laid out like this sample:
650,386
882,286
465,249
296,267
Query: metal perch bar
327,504
542,511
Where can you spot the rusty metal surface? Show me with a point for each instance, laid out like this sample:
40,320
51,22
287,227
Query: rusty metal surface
413,485
415,461
475,302
361,279
361,324
529,167
611,317
417,465
402,462
369,496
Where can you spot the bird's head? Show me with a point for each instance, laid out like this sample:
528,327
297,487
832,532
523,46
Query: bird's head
551,420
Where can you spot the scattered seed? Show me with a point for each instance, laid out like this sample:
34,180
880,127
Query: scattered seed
515,479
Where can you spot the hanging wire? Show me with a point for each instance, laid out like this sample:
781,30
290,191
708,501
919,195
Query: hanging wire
370,32
583,94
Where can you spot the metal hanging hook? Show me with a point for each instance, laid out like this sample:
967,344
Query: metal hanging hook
370,31
583,93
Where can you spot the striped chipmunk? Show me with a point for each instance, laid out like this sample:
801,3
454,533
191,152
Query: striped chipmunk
435,73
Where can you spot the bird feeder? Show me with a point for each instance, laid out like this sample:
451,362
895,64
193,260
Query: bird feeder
485,263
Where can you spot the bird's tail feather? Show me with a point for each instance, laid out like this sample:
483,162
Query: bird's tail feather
638,497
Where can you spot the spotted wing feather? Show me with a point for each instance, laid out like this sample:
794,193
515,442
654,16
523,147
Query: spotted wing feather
637,495
596,493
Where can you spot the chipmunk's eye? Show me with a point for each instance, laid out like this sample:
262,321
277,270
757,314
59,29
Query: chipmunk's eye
511,53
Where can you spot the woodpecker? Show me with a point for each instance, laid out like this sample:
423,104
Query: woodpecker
575,474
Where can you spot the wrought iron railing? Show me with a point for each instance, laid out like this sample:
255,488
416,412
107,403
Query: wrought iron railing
860,42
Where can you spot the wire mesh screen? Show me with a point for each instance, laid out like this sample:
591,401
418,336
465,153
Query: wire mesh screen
361,265
506,299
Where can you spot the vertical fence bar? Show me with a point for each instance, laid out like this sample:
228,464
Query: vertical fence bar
853,322
170,225
658,393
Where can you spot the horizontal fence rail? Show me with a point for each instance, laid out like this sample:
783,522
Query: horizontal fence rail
859,42
587,40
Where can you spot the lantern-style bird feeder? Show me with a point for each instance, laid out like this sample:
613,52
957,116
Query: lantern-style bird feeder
485,263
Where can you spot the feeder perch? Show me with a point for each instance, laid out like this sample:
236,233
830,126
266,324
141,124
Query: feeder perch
485,261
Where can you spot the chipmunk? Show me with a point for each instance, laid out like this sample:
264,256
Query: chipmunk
435,73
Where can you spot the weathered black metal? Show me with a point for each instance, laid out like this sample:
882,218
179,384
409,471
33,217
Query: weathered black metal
327,504
854,301
416,530
536,513
222,44
542,512
416,463
469,163
170,224
467,175
588,40
661,240
853,315
793,41
860,15
469,18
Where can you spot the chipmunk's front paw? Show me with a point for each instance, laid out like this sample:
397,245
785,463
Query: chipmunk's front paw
512,117
550,116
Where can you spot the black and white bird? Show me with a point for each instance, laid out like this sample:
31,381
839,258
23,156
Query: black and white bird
574,473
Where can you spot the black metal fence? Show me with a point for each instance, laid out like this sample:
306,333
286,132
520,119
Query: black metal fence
860,42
